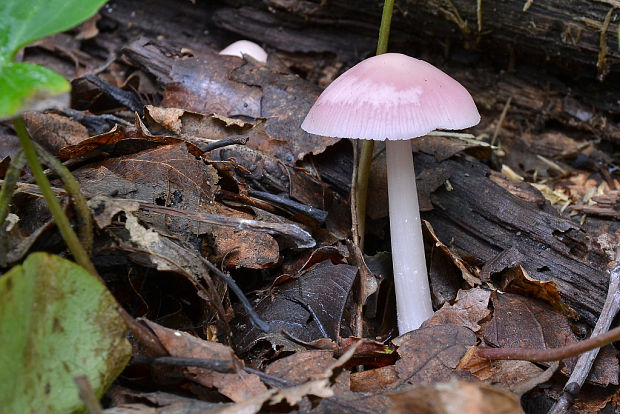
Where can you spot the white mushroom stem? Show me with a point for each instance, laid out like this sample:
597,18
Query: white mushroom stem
413,297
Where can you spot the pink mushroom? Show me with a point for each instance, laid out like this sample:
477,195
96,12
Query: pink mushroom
245,47
396,97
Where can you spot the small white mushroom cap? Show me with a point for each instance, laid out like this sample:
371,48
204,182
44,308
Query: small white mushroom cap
391,96
245,47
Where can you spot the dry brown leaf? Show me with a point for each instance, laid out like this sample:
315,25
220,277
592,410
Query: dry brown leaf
517,280
454,397
203,85
53,131
185,123
433,354
374,380
238,386
470,307
517,377
520,322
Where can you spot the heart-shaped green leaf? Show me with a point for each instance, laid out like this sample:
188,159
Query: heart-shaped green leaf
22,22
56,321
23,85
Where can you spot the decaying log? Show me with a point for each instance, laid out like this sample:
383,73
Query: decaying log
538,96
480,219
580,32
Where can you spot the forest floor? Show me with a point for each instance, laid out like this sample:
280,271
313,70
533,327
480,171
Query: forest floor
204,154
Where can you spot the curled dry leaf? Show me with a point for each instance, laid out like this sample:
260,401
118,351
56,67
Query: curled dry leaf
447,270
454,397
517,280
301,366
517,377
318,385
285,101
53,131
511,277
470,308
192,125
444,147
121,140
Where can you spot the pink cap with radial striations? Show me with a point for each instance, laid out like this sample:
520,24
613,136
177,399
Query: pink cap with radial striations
391,96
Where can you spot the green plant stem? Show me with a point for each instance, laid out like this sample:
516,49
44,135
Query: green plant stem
62,222
384,30
363,173
85,219
368,145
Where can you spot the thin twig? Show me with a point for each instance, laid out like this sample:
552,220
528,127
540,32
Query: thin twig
501,120
256,320
270,379
586,361
540,355
363,174
314,213
302,238
357,259
554,354
312,313
355,235
224,143
216,365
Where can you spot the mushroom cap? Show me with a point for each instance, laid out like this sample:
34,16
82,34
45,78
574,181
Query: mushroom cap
391,96
241,47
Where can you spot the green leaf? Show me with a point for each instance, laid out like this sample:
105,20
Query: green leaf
56,321
25,84
24,21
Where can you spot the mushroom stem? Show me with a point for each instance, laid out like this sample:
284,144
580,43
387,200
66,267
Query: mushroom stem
413,299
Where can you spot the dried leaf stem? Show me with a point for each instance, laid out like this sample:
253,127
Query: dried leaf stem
256,320
18,162
586,361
